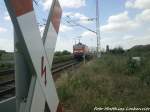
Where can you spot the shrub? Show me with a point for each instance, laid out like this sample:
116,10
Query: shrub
65,52
118,50
65,93
2,65
145,77
103,82
144,74
132,66
63,58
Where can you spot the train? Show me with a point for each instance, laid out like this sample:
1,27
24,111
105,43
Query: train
80,51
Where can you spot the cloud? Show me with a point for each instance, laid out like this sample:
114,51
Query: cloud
46,4
143,17
65,28
128,37
80,18
119,18
67,14
88,34
41,28
122,23
132,40
65,3
6,44
119,23
88,38
122,30
2,29
138,4
72,3
7,18
126,41
64,43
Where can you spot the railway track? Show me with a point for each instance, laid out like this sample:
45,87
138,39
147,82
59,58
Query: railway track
7,88
6,72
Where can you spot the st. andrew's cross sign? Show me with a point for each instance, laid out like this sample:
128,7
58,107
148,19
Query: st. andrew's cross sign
37,52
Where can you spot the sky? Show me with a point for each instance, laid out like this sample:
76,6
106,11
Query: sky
124,23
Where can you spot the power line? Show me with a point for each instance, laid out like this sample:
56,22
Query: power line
72,22
40,17
88,19
35,2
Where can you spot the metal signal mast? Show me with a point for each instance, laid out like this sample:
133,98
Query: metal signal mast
98,29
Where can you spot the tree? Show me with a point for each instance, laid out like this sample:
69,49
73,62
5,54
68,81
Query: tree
0,56
65,52
59,53
118,50
107,48
1,53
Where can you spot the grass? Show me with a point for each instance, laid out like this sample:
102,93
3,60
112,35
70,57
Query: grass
6,62
108,81
62,58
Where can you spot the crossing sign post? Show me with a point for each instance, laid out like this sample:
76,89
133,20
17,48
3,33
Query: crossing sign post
34,57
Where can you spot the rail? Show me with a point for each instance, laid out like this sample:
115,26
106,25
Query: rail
5,72
7,88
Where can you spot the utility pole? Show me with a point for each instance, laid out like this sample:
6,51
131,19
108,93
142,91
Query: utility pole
98,29
74,41
79,38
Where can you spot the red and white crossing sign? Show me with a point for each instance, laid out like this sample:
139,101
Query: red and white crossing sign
43,70
40,54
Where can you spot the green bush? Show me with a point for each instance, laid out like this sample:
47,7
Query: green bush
65,93
2,65
6,66
105,82
144,73
145,77
62,53
132,66
118,50
63,58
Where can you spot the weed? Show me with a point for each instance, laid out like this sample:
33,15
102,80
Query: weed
112,80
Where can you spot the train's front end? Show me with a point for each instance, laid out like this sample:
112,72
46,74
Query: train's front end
79,51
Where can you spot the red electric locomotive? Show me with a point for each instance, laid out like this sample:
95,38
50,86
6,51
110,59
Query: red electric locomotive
80,50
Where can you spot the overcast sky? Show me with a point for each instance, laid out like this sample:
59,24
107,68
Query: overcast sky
123,23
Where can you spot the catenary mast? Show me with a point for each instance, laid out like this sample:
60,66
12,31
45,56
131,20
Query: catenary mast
98,29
